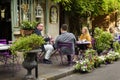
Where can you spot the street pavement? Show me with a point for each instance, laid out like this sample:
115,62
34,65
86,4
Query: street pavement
105,72
45,71
56,71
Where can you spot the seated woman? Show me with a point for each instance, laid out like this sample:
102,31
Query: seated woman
85,36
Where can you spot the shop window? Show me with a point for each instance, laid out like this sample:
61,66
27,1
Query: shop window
25,10
30,10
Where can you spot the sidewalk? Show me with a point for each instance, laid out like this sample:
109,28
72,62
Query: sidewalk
45,71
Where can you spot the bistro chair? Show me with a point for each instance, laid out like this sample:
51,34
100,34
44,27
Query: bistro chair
93,43
66,45
40,54
5,55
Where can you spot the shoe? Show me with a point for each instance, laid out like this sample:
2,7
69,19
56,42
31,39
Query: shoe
46,61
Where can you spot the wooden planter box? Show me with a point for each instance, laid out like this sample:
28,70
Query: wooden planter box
26,32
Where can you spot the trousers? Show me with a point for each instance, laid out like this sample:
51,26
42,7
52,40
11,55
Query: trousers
48,50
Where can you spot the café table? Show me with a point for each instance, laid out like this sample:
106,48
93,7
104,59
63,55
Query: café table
4,51
4,47
81,47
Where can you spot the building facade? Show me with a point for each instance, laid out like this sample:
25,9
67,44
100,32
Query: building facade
13,12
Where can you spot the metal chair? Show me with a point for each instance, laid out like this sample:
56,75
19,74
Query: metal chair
68,47
93,43
6,57
4,53
41,54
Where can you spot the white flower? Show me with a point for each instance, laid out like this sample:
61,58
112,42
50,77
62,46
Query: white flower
116,53
77,61
102,58
83,68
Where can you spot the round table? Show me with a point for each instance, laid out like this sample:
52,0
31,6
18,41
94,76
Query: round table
4,47
82,45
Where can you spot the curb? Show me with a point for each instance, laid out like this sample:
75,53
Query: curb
57,75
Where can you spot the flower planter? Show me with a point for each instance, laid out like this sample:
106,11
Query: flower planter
29,63
25,32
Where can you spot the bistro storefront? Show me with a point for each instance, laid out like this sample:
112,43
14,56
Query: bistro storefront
13,12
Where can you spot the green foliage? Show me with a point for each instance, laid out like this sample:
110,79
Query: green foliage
27,25
116,46
102,40
65,3
92,61
89,53
109,58
97,32
26,44
90,7
84,65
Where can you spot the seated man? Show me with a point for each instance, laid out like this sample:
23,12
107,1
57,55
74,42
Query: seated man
66,37
47,47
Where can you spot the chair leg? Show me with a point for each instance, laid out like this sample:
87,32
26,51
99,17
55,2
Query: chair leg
40,56
61,56
54,53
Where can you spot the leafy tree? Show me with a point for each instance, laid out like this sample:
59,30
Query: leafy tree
87,9
93,7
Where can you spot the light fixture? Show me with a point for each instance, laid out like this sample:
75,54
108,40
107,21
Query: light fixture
39,11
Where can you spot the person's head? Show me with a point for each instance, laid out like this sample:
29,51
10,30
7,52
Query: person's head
39,26
85,30
64,28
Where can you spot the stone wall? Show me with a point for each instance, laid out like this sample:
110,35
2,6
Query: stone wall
53,26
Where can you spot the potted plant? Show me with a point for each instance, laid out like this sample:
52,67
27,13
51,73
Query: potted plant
102,59
28,46
102,40
85,65
97,61
27,43
89,53
109,58
27,27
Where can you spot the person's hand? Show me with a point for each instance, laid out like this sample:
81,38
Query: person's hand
52,40
84,40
